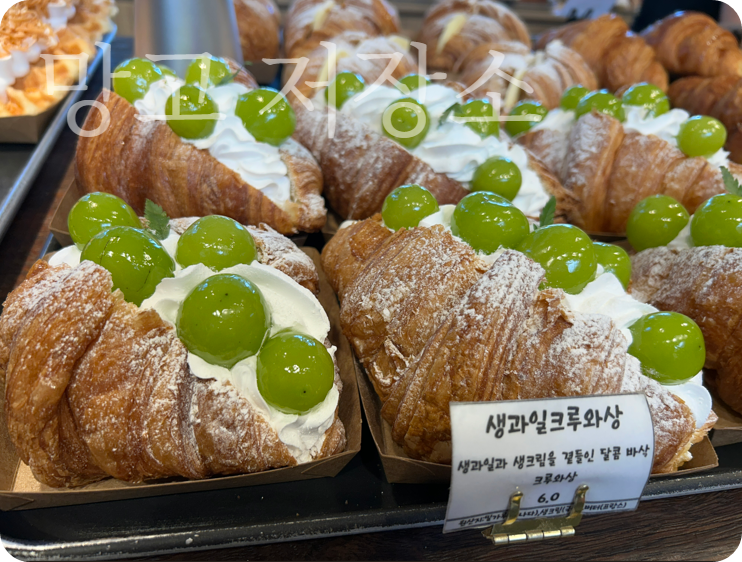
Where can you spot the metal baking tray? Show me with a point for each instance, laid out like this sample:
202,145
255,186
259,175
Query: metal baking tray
20,163
358,500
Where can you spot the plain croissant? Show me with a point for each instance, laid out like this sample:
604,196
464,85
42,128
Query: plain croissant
433,323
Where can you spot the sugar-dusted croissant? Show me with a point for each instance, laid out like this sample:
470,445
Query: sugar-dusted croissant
433,323
549,72
609,170
310,22
96,387
453,28
138,160
720,97
618,57
691,43
259,25
348,47
702,283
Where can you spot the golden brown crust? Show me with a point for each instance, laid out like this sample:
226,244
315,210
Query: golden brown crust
139,160
258,22
691,43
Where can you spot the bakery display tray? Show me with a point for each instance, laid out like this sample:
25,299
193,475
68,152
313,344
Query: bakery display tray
21,163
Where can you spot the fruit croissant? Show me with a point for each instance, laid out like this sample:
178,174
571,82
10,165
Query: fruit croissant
433,321
161,138
691,43
259,26
197,354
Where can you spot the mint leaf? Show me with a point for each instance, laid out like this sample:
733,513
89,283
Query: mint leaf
445,115
229,79
547,215
730,182
158,223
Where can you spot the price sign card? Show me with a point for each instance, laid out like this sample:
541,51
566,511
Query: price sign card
547,449
582,8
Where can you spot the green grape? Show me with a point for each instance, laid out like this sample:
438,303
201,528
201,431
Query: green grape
413,82
224,320
701,136
718,222
487,221
270,125
136,261
407,205
499,175
142,74
614,260
648,96
167,71
566,253
669,345
217,242
602,101
213,69
655,221
479,116
527,107
572,96
406,121
195,110
96,212
345,86
295,372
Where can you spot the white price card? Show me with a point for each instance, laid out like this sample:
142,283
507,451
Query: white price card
547,449
582,8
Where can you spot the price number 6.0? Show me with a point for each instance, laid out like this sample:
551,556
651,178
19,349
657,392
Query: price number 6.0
543,499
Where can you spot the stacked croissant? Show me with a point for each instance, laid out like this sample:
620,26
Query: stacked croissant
433,323
259,26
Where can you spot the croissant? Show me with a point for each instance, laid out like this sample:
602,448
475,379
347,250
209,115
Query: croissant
453,28
310,22
617,57
433,323
96,387
549,72
691,43
259,26
702,283
348,47
720,97
608,171
138,160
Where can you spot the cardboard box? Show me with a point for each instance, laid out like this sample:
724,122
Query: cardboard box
26,128
401,469
728,430
20,490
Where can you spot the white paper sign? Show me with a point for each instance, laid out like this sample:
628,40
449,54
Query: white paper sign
583,8
546,449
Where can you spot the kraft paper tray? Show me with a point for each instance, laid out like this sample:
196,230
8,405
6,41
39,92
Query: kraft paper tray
19,490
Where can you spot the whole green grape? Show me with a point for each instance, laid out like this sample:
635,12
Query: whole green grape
499,175
487,221
224,320
217,242
136,261
602,101
196,111
96,212
669,345
266,118
142,74
701,136
213,69
479,116
413,82
295,372
407,205
614,260
406,121
655,221
648,96
566,253
718,222
572,96
345,85
527,107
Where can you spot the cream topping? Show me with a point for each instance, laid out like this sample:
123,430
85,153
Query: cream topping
257,163
683,240
560,120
